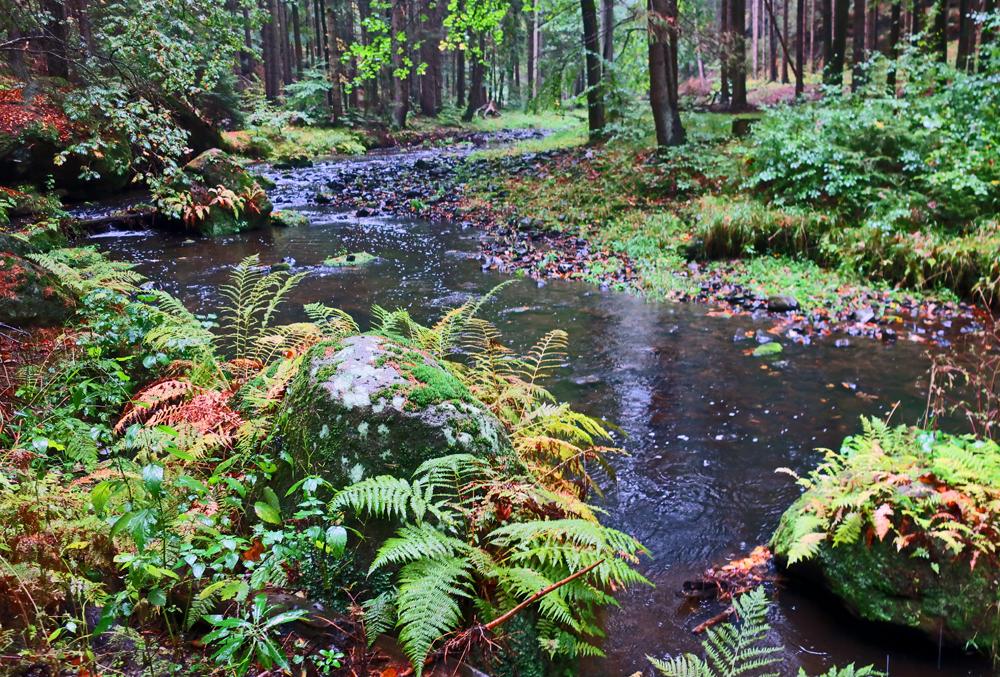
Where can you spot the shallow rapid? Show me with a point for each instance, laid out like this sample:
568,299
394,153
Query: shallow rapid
704,423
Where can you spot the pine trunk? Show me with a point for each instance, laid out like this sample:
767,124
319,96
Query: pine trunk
592,57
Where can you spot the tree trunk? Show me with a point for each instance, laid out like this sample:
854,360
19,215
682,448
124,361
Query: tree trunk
754,35
940,39
608,30
724,52
298,39
477,92
536,46
918,17
800,47
430,54
895,25
784,57
460,78
54,44
333,70
966,36
400,106
772,54
592,56
662,39
246,54
738,62
284,43
834,72
858,46
827,38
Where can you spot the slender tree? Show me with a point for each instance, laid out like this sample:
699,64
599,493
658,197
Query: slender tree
858,46
662,42
834,70
966,35
738,54
592,57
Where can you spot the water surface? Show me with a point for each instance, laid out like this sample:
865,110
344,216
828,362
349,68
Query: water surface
705,424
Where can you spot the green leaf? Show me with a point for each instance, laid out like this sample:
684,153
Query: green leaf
267,513
157,597
767,349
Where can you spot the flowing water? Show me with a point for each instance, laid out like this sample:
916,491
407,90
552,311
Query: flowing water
705,424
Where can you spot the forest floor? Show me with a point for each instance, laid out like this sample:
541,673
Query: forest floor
622,216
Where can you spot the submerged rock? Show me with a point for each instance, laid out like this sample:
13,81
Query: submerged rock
782,303
29,294
369,405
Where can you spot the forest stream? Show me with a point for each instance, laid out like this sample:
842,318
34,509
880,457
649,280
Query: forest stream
704,423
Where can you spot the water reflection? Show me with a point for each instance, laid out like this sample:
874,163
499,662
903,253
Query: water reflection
705,425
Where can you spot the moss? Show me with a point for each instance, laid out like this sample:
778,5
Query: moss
438,386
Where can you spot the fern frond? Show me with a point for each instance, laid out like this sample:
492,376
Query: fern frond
383,496
429,590
412,543
333,322
379,614
685,665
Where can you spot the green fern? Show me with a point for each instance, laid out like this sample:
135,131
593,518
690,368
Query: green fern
379,615
738,648
84,270
428,603
253,296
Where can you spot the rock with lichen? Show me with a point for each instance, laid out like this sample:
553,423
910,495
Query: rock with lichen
369,405
29,295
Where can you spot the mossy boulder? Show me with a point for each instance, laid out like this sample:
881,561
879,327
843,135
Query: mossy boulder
369,405
287,218
900,525
29,295
202,178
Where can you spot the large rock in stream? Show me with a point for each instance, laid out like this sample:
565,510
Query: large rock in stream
899,524
207,173
369,405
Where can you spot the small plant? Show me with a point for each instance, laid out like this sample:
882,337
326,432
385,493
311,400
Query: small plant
740,648
249,638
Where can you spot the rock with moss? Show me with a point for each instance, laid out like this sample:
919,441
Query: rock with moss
369,405
900,525
287,218
222,197
29,295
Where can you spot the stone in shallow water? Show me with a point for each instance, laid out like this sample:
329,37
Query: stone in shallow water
782,303
346,260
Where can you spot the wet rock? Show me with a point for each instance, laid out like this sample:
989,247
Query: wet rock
323,197
29,295
203,176
287,218
863,315
367,405
293,161
938,594
782,303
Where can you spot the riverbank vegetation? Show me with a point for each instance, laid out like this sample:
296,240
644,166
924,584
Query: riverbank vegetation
213,491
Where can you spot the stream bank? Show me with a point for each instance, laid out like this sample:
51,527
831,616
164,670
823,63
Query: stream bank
705,422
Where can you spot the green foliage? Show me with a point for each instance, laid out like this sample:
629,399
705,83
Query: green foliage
248,638
740,648
730,649
453,546
926,154
933,494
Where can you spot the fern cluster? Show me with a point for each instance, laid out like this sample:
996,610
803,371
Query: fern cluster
470,537
930,492
741,648
557,443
